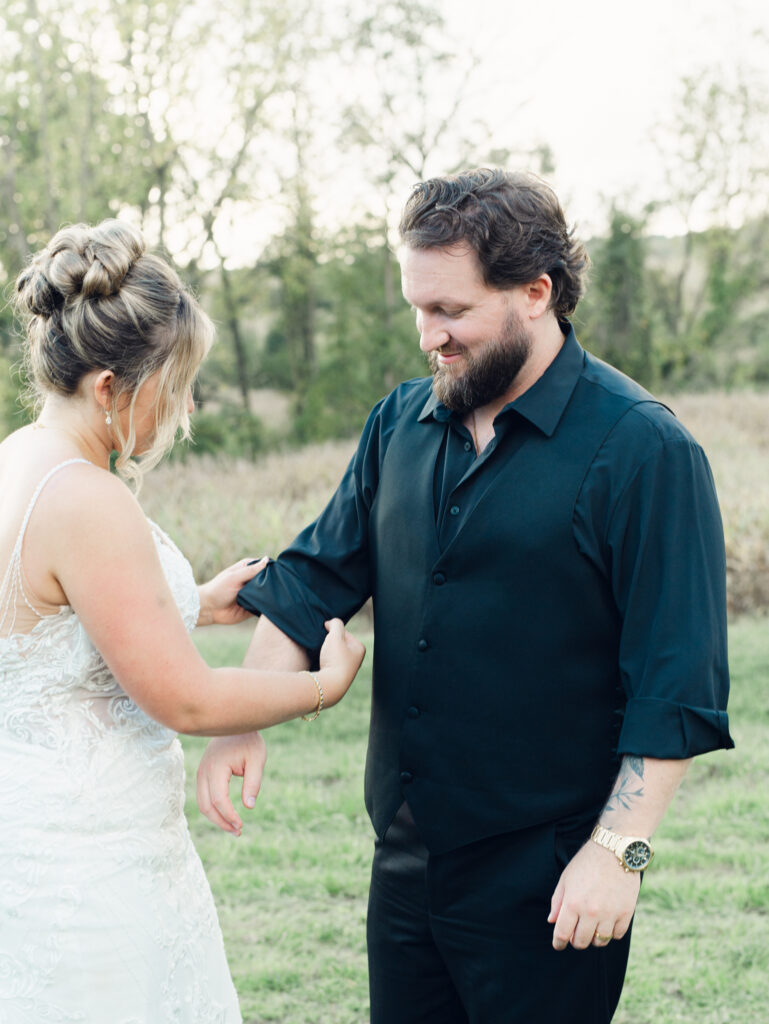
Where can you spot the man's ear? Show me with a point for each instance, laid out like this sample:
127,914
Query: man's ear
538,293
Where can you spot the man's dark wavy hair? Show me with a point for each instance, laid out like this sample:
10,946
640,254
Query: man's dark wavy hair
513,222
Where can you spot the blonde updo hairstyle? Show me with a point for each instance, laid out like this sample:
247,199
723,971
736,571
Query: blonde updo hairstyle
94,299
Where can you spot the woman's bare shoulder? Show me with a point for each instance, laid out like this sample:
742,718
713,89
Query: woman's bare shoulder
77,495
73,514
83,494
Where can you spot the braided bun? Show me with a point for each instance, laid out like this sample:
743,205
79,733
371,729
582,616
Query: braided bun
80,261
94,299
36,294
93,261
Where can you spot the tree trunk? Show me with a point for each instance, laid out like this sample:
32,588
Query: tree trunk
233,323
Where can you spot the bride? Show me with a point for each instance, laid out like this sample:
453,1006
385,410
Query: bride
106,916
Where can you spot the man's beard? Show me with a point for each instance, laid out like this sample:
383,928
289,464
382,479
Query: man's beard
488,374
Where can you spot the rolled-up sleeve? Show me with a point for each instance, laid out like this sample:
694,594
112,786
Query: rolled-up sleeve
324,573
668,574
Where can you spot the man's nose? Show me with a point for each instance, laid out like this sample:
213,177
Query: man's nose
432,334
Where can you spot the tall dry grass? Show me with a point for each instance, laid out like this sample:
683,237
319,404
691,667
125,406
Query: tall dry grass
734,431
220,510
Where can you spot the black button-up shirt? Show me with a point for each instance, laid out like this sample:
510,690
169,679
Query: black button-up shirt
539,610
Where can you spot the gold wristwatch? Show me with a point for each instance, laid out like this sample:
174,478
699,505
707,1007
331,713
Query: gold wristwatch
633,852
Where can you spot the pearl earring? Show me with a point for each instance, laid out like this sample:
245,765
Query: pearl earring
107,418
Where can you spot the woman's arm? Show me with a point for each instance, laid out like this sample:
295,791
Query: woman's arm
101,551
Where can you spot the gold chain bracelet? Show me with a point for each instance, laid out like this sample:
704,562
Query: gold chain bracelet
319,708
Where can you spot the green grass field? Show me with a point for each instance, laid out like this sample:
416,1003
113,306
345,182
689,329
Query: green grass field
292,890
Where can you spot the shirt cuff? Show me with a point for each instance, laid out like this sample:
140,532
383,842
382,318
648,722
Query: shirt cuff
664,729
288,606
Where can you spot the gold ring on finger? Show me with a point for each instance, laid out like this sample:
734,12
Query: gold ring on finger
603,938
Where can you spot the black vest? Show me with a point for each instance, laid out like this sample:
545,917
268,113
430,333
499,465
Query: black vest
478,720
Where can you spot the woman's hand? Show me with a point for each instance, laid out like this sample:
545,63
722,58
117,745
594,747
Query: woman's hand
217,597
340,659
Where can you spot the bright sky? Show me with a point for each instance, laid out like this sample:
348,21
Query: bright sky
592,79
597,77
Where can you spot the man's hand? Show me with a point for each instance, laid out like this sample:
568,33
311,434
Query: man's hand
244,755
594,900
225,756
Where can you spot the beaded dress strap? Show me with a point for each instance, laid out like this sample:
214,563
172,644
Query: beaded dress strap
13,581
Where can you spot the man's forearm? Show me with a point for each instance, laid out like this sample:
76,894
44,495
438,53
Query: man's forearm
594,899
642,791
270,648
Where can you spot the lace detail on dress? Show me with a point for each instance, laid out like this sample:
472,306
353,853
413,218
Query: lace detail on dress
12,585
105,911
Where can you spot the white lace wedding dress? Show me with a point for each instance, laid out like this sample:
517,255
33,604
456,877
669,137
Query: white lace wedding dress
106,916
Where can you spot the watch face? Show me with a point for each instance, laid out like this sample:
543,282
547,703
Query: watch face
637,855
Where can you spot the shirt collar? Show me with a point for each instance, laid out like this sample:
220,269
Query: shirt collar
544,402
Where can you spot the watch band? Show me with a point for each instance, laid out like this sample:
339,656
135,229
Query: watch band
605,837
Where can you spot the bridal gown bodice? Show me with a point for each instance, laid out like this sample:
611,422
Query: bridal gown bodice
106,916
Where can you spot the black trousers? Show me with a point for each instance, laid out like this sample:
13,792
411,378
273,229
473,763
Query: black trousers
463,938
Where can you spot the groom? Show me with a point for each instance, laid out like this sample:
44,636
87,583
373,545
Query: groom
543,545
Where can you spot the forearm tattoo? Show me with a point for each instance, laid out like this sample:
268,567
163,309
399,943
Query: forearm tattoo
628,785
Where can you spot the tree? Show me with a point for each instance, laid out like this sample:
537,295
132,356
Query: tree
363,356
117,107
212,166
291,355
67,149
716,176
616,308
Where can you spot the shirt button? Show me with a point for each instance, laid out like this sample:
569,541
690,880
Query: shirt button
413,712
454,510
406,778
468,446
439,578
422,645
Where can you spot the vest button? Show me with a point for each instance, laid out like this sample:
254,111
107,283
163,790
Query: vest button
468,446
439,578
413,712
422,645
454,510
406,778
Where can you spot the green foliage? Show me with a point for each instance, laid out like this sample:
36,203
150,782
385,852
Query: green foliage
229,431
616,313
145,109
710,327
9,409
707,284
243,306
679,313
15,402
291,343
71,150
9,342
370,342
